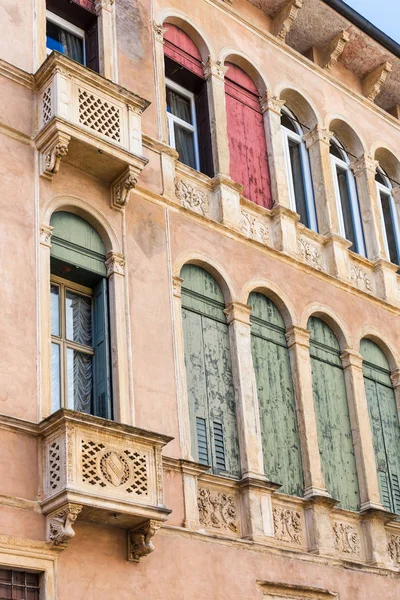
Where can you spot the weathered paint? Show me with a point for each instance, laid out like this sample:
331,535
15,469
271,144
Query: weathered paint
247,142
76,242
179,47
333,419
384,421
209,371
280,437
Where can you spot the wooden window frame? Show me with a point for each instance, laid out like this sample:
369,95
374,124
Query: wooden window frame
344,164
298,138
64,24
174,119
61,340
387,190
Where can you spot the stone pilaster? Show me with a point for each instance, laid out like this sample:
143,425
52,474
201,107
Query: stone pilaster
225,207
105,11
215,73
284,228
386,281
45,232
320,534
160,81
337,255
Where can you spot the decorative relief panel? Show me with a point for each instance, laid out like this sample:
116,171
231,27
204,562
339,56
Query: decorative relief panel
192,197
254,228
347,538
394,547
361,278
287,525
217,510
99,115
310,253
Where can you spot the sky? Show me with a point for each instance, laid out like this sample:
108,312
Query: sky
384,14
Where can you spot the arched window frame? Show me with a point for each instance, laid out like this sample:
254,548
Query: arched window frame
344,165
387,191
298,138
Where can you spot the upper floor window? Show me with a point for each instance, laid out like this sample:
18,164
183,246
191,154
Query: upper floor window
187,102
350,224
80,355
19,584
72,30
390,224
298,170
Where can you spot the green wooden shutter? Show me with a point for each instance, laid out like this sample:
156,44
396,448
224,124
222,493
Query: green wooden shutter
280,437
384,421
102,406
209,373
333,419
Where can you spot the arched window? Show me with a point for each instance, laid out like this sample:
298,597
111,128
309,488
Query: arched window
209,373
280,437
298,170
389,220
348,207
246,133
333,420
80,358
187,104
384,419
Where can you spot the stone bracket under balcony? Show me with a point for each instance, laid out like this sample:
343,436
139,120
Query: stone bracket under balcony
90,123
104,473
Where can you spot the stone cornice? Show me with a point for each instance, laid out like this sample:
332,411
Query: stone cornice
18,75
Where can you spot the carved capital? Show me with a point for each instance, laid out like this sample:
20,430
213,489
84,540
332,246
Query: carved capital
351,359
214,69
285,18
374,81
177,286
140,542
365,163
115,264
52,154
298,336
59,525
330,54
271,103
122,186
395,377
45,232
235,311
318,134
103,5
159,32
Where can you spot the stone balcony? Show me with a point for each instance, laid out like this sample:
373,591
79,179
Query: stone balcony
90,123
105,473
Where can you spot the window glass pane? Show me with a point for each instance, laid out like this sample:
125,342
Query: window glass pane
298,182
288,122
55,310
78,317
5,591
389,227
18,578
179,106
63,41
55,378
335,151
184,145
32,580
80,380
346,207
5,575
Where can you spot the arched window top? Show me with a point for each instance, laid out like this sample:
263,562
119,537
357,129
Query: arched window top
263,309
322,334
338,150
373,355
382,178
180,48
238,76
76,242
198,281
290,121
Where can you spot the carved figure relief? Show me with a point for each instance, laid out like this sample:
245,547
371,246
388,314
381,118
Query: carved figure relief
310,253
192,197
347,539
287,525
361,278
60,530
254,228
140,542
217,510
394,547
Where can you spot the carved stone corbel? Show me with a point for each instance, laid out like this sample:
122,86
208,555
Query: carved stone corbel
52,154
374,81
140,542
330,54
285,18
122,186
59,525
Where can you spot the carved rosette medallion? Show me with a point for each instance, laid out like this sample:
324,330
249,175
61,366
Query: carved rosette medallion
287,525
347,539
192,197
217,510
140,542
394,547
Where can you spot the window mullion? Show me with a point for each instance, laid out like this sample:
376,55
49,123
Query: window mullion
289,172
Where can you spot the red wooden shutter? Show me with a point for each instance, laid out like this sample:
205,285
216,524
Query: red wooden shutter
247,145
86,4
179,47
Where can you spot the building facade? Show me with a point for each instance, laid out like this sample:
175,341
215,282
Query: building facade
200,241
